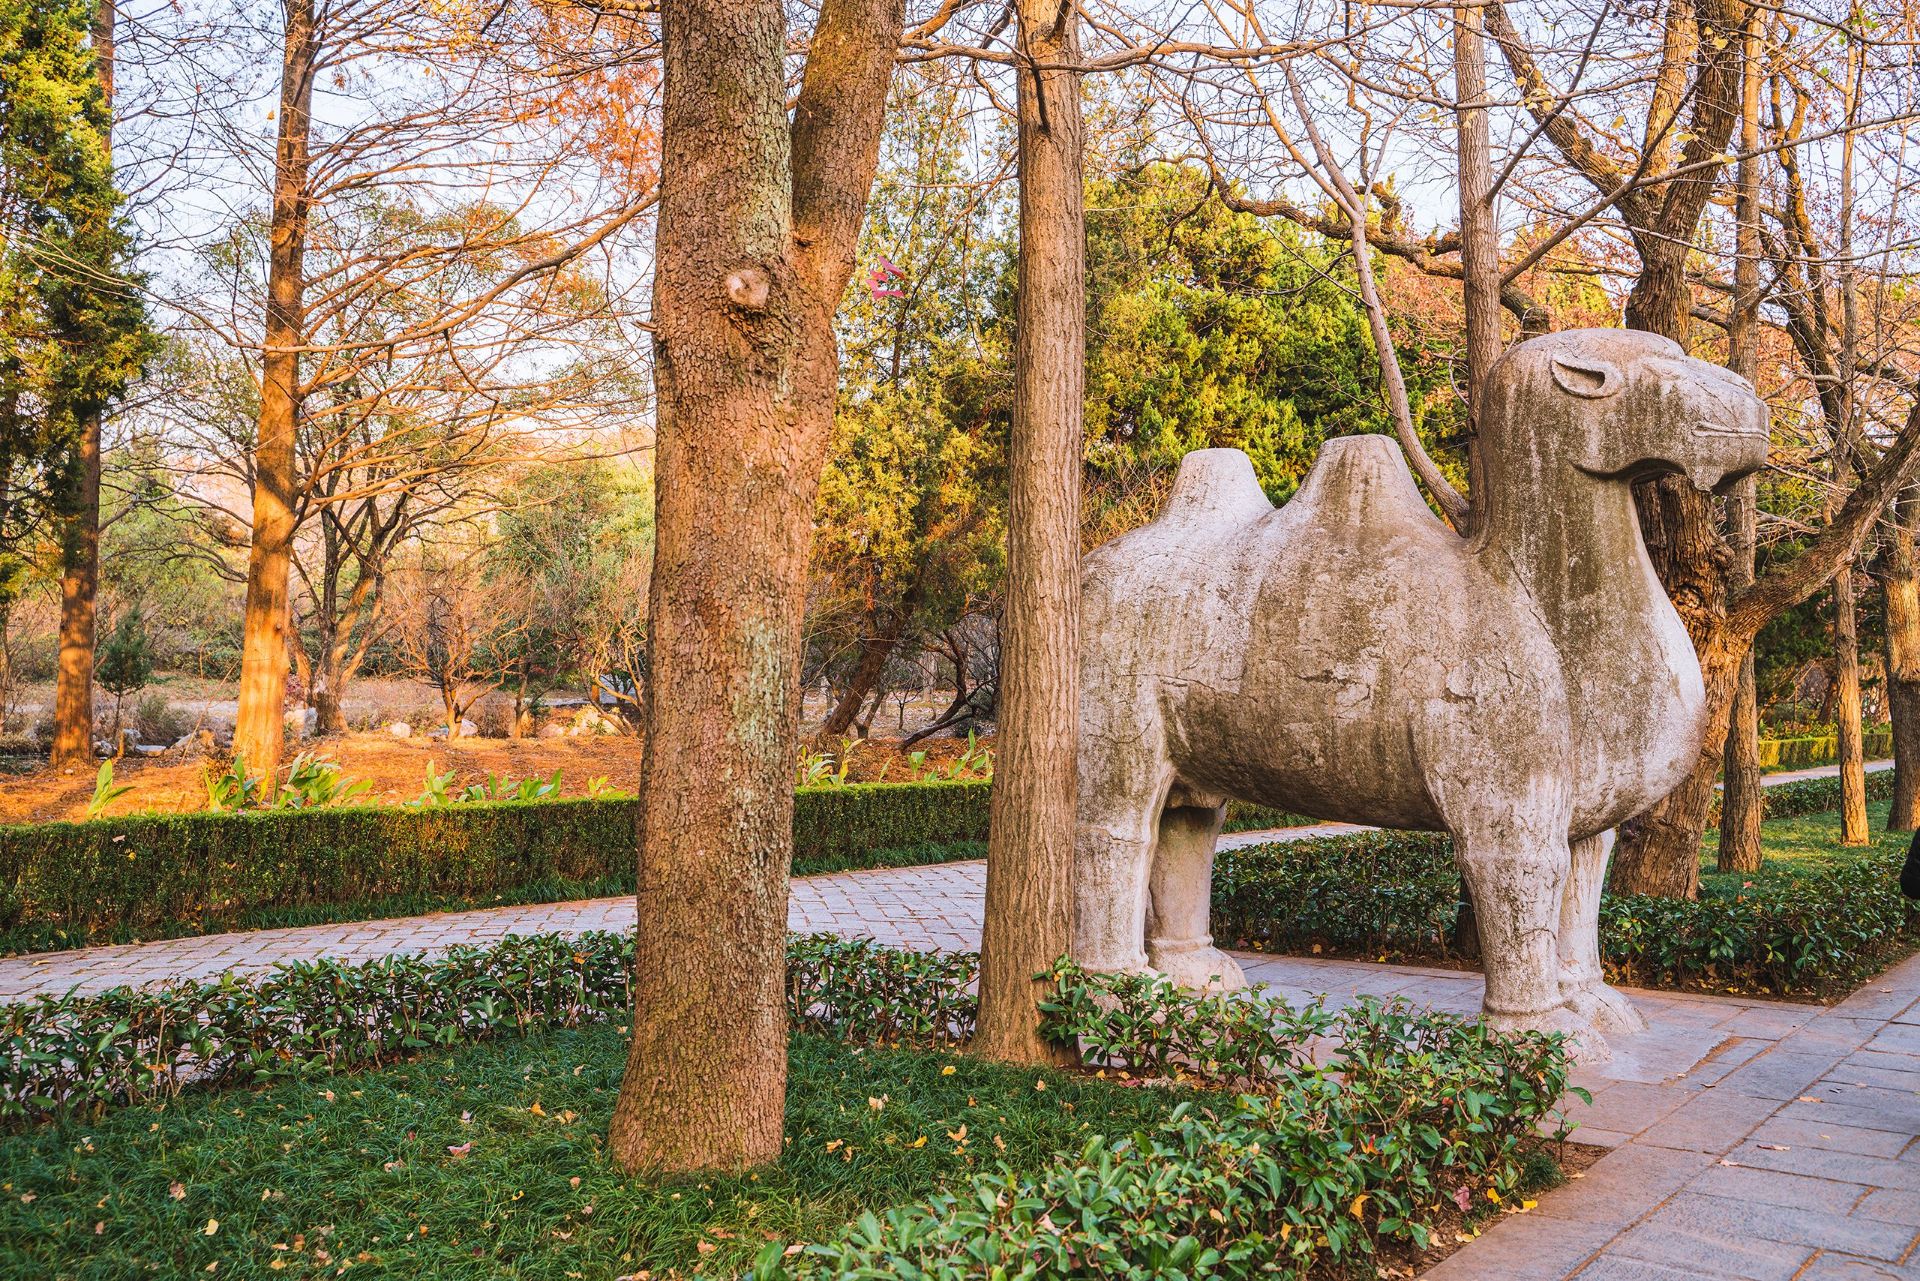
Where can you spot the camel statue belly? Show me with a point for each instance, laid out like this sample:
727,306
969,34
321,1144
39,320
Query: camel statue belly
1350,657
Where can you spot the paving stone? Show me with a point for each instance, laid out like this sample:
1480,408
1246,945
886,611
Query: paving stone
1622,1186
1709,1254
1891,1205
1613,1267
1772,1187
1822,1131
1843,1267
1820,1229
1779,1074
1523,1247
1708,1121
1827,1163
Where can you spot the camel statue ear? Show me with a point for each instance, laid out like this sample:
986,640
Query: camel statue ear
1586,378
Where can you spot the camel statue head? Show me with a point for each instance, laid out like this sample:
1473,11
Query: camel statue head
1617,403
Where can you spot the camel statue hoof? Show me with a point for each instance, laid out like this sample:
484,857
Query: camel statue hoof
1608,1009
1197,967
1585,1044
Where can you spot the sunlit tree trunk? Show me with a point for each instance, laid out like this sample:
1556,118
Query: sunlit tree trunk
1897,578
78,532
1846,648
1741,804
1029,910
755,241
260,729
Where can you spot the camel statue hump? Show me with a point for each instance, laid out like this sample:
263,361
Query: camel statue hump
1215,486
1362,482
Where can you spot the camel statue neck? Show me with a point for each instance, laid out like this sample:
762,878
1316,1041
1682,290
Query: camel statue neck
1573,538
1573,541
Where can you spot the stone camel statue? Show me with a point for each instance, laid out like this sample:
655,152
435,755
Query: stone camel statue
1349,656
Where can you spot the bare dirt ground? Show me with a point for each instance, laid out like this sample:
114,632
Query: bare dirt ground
397,767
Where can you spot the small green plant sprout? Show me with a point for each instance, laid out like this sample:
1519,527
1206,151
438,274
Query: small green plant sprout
438,788
814,768
104,792
233,790
599,789
315,780
848,746
533,789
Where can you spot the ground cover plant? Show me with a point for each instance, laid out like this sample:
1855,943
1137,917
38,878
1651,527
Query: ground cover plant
486,1160
472,1160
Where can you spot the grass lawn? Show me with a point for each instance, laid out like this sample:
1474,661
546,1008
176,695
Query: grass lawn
1802,842
300,1178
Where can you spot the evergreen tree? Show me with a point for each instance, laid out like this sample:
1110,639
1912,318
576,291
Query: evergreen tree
73,330
125,664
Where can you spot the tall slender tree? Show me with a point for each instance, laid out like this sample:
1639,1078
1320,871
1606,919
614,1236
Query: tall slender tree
758,221
72,327
258,732
78,533
1030,845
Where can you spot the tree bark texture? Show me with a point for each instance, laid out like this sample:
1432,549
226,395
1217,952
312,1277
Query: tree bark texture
1741,802
78,533
1852,760
1479,227
757,227
1029,908
1897,581
259,731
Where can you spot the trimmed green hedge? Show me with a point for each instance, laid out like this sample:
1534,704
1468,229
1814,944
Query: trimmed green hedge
1809,796
1801,930
152,872
1820,749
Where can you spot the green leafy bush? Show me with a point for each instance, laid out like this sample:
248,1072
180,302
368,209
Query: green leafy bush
1811,796
154,871
1415,1116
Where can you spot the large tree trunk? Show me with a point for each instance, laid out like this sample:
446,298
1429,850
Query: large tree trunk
757,226
259,732
1742,805
1846,649
1029,909
79,534
1479,232
1903,663
79,528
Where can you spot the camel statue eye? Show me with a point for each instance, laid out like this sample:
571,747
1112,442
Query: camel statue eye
1588,379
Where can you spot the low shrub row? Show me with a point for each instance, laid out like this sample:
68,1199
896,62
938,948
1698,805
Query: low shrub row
154,872
1792,929
84,1053
1812,796
1415,1118
1820,749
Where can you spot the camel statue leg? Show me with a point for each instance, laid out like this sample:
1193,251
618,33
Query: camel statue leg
1511,846
1581,978
1123,785
1179,937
